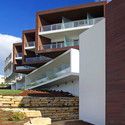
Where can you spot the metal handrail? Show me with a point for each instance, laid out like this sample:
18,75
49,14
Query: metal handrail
61,45
71,24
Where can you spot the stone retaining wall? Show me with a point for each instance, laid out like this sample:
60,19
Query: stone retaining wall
57,108
59,113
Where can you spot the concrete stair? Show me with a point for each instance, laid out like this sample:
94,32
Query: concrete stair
39,121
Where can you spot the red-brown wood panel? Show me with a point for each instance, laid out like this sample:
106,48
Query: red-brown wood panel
55,16
115,62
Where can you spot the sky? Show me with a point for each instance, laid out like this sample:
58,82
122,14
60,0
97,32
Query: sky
19,15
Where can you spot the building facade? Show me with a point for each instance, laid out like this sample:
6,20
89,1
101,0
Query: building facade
115,62
16,80
102,56
49,57
57,31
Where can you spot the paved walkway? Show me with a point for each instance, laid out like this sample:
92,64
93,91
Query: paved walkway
71,122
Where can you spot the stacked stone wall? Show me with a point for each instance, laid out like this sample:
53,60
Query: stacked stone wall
57,108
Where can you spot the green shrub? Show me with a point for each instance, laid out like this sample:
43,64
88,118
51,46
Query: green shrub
17,116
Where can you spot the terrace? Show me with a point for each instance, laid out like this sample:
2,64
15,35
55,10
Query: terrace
62,68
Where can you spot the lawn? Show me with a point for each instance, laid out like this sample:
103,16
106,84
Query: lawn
10,92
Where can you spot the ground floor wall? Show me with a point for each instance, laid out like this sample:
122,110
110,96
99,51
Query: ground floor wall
71,87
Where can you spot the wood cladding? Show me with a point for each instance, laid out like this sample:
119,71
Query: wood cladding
73,13
115,62
65,9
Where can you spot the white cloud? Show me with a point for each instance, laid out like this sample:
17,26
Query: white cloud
1,76
6,42
6,45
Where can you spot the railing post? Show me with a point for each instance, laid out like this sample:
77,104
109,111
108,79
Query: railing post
51,27
41,28
94,21
25,85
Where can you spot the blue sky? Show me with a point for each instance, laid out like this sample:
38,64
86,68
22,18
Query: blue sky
19,15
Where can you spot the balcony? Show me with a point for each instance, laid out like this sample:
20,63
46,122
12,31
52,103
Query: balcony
61,45
30,45
37,59
72,26
8,60
24,68
18,56
52,74
63,68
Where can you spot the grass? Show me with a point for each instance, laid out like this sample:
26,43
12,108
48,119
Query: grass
10,92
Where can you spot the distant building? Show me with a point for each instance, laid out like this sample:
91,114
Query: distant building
2,79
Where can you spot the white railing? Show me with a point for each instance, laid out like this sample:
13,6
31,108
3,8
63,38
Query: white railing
61,45
50,75
71,24
8,60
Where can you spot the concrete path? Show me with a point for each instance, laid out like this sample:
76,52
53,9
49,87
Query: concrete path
71,122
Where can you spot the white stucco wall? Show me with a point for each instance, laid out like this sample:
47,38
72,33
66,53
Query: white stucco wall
92,74
71,87
74,61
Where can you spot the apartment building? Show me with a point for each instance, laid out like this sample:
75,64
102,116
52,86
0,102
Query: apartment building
18,66
57,31
16,80
93,32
